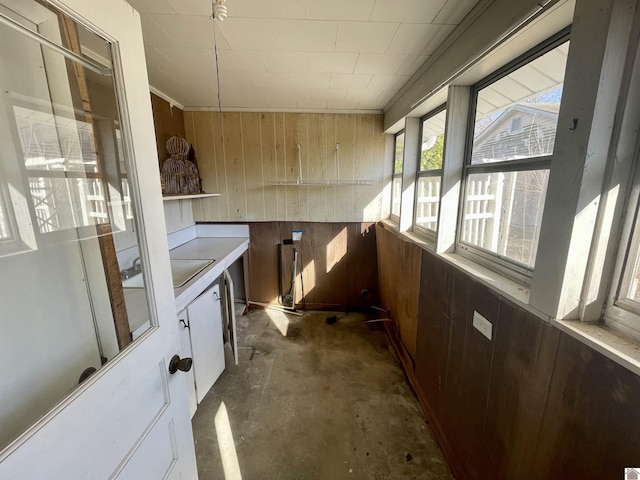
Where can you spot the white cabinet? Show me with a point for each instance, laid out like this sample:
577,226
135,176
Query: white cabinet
203,336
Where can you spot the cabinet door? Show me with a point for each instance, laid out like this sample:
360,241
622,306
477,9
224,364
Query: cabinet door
185,351
205,321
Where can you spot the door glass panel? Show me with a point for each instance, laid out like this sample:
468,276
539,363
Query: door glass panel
67,236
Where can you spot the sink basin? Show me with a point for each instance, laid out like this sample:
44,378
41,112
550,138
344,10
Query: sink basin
181,272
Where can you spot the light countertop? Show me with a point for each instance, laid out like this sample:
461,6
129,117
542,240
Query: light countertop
224,251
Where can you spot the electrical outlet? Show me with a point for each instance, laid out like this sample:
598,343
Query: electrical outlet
484,326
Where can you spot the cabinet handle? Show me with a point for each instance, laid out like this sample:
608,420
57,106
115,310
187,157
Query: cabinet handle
184,324
183,364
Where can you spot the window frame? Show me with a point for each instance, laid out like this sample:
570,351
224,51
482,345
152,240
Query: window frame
392,216
426,232
621,313
512,269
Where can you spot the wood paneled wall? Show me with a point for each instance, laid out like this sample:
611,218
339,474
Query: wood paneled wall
400,260
532,403
244,155
339,261
168,121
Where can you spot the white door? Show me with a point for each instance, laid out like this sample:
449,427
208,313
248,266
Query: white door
130,419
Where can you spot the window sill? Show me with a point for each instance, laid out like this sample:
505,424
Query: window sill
510,289
618,348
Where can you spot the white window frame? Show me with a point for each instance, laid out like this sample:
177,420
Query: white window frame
620,312
510,268
429,233
394,176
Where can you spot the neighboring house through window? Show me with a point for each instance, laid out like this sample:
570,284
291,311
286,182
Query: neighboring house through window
509,148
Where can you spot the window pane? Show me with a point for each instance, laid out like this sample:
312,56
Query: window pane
396,195
63,203
517,116
633,292
427,203
55,143
503,212
432,149
397,164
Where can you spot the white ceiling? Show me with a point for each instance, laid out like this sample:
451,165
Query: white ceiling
292,54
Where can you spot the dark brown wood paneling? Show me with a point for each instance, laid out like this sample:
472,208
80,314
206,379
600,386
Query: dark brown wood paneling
531,403
433,328
399,266
591,427
339,260
263,262
168,121
523,358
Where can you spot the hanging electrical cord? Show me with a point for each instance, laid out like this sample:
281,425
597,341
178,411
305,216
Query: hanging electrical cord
218,12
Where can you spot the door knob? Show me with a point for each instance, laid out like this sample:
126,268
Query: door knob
183,364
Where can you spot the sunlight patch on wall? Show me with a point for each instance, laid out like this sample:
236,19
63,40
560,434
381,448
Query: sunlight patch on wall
308,277
336,249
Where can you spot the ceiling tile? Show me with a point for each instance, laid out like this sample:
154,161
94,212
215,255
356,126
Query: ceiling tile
152,6
342,105
418,39
153,35
386,96
290,80
286,62
155,59
409,11
349,81
313,103
388,82
308,35
411,64
359,10
365,95
328,93
191,7
241,60
454,11
333,62
181,57
378,63
251,33
270,8
189,30
365,37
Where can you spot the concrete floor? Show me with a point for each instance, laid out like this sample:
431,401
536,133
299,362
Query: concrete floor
323,402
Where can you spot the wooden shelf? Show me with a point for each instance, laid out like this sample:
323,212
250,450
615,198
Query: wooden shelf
169,198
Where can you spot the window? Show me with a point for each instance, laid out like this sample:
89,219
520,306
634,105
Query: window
430,171
396,182
514,116
623,309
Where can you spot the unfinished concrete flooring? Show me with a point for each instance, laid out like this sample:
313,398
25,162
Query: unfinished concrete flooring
310,400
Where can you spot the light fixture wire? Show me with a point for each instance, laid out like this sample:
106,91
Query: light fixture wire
215,50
